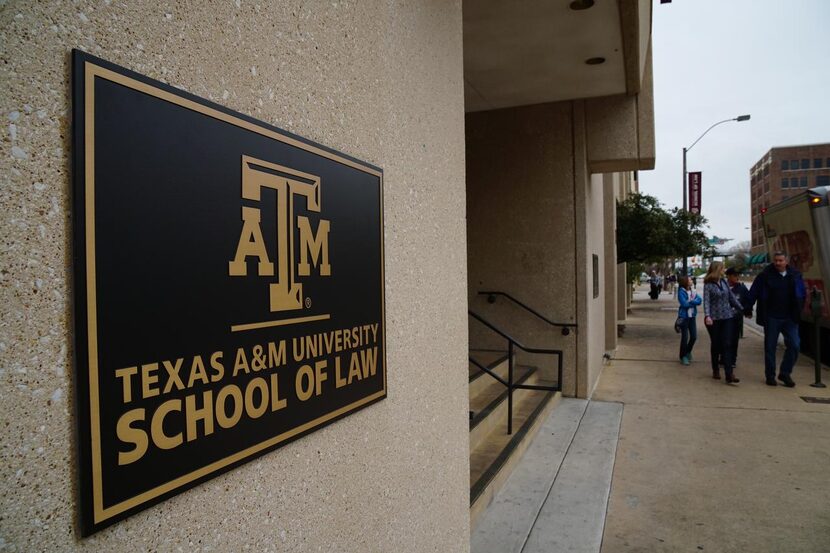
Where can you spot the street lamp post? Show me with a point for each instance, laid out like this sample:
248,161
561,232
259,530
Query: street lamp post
685,173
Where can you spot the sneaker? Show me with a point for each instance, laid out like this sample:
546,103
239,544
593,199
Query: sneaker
771,382
684,360
788,382
689,357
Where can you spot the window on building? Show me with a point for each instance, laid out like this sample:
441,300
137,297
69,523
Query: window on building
785,165
803,182
817,163
766,186
805,163
785,183
823,180
827,164
784,197
766,169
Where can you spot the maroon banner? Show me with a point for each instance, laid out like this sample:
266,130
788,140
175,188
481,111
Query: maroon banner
695,181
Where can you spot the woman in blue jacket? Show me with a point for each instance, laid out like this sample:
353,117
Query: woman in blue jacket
687,311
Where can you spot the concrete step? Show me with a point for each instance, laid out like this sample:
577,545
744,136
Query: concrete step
557,496
497,453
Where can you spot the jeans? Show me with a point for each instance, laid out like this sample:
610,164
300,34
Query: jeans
688,336
792,342
722,336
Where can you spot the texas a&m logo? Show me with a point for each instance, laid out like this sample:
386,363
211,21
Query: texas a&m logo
285,293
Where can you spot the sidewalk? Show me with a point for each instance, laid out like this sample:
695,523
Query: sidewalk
705,466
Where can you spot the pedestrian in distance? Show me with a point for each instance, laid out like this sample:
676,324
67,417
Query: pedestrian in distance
741,292
654,285
687,315
780,292
720,308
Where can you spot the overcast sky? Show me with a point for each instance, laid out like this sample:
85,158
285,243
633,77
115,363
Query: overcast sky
717,59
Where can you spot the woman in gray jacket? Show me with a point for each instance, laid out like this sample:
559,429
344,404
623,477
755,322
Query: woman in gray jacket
720,307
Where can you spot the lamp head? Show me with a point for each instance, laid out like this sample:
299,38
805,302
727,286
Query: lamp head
742,118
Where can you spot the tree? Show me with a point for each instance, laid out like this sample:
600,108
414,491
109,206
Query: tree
647,233
739,255
689,237
644,230
740,247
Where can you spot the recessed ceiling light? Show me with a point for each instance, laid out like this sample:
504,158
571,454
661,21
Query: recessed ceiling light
578,5
595,61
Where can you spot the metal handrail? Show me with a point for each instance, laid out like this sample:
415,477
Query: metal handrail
507,336
491,298
488,371
513,343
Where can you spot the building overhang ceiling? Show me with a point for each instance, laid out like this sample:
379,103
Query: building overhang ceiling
535,51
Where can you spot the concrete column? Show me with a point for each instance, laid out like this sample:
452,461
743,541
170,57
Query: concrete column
609,202
588,218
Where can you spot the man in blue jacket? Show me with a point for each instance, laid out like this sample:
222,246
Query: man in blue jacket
780,292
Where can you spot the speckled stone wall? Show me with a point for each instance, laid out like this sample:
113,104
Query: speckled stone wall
379,80
535,218
521,230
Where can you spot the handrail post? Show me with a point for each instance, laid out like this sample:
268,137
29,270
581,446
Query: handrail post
510,387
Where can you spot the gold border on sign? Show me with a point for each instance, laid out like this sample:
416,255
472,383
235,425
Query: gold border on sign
91,71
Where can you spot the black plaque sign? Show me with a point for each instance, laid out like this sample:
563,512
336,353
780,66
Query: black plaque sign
229,289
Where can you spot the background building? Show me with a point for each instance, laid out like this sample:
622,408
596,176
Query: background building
782,173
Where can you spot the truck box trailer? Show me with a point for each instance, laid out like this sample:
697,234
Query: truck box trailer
800,226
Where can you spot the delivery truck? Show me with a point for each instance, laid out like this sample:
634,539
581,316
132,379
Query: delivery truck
800,226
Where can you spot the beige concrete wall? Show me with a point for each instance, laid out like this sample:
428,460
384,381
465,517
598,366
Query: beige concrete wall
620,128
381,81
520,223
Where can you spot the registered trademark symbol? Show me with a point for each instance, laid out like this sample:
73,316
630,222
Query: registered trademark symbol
307,303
